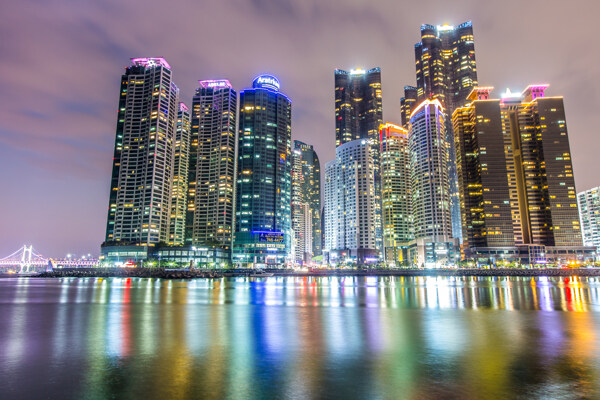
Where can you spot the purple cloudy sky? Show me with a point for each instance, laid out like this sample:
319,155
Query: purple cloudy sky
61,63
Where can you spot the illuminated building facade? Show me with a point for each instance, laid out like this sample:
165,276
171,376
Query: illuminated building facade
482,172
446,70
589,215
358,105
395,193
142,174
429,185
358,115
544,180
180,177
407,104
263,228
306,202
445,64
514,164
211,187
350,208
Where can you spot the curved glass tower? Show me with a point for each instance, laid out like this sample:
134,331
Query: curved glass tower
263,227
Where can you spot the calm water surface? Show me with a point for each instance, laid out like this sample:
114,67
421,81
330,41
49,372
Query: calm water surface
300,338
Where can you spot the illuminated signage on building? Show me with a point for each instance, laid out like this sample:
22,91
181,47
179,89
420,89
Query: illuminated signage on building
269,237
215,84
266,82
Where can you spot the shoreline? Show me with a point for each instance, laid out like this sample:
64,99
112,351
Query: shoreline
217,274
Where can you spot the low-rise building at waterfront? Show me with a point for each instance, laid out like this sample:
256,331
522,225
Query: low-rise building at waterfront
589,215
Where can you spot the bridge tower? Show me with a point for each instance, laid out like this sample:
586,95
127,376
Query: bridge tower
26,258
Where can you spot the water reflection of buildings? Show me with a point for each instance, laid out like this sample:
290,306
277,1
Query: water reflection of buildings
303,337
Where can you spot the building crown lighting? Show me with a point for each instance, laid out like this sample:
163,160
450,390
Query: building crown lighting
151,62
215,83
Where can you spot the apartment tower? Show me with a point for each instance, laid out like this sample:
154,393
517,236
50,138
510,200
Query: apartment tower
141,183
211,182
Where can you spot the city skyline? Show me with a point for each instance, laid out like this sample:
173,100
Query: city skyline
66,163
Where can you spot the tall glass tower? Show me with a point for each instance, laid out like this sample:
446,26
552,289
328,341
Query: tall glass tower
306,201
358,115
446,71
543,181
358,105
210,208
263,228
482,173
142,174
517,189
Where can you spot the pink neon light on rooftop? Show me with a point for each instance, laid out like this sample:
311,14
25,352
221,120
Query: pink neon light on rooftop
183,107
215,83
535,91
480,93
151,62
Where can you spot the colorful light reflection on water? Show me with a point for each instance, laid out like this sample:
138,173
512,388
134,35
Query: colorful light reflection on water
300,338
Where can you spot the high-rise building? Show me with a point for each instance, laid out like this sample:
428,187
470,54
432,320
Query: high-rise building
445,64
482,173
301,216
211,183
446,71
429,184
180,177
407,103
543,172
395,193
350,207
306,202
589,215
142,174
516,181
358,115
263,233
358,105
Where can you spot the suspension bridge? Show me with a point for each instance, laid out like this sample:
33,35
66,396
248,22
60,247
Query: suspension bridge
26,260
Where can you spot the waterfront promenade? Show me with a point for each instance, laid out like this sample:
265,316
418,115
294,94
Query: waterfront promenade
192,274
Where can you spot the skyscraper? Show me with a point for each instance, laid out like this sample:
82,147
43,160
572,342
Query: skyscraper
350,211
516,182
306,201
407,103
395,193
263,233
482,173
142,174
358,105
446,71
358,115
429,184
589,215
180,177
211,202
445,64
543,178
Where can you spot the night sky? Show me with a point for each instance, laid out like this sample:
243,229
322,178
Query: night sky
61,63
